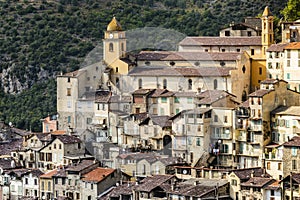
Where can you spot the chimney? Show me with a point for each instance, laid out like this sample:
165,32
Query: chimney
252,173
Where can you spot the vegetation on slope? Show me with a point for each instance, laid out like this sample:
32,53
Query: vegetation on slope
39,39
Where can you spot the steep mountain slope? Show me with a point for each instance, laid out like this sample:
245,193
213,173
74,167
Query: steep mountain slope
39,39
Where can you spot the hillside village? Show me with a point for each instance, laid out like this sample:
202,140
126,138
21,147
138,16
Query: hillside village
216,119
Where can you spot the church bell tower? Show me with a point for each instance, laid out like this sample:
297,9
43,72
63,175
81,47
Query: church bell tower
267,35
114,42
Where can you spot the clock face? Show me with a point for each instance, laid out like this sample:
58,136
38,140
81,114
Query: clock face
111,36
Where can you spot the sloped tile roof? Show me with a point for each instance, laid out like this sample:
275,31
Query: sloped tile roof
192,190
292,110
135,156
68,139
97,175
294,142
211,96
181,71
49,174
6,163
82,165
142,91
254,22
188,56
260,93
293,45
124,189
277,47
244,174
7,147
158,92
274,186
259,182
162,121
151,182
100,96
269,81
221,41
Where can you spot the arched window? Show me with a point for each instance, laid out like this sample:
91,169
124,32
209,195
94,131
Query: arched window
190,84
215,84
140,83
111,47
122,46
165,84
117,83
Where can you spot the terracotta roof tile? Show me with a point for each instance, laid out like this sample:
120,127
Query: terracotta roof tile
283,110
151,182
277,47
258,182
221,41
162,121
211,96
6,163
182,71
260,93
245,174
158,92
82,165
125,189
142,91
100,96
49,174
254,22
294,142
293,45
7,147
269,81
97,175
188,56
68,139
274,186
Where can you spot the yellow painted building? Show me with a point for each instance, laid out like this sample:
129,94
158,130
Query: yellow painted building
258,61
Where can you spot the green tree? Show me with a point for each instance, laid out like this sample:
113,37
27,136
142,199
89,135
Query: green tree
291,12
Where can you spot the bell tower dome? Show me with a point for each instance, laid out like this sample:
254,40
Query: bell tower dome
114,42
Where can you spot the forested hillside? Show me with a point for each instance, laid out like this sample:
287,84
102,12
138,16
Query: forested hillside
39,39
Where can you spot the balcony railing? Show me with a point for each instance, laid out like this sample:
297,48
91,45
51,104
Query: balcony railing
221,136
242,113
256,127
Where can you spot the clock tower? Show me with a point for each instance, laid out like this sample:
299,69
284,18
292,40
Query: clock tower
114,43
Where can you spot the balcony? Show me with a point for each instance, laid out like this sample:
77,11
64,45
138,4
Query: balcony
272,156
223,136
256,128
242,113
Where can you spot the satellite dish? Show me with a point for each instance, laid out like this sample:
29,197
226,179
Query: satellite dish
184,171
